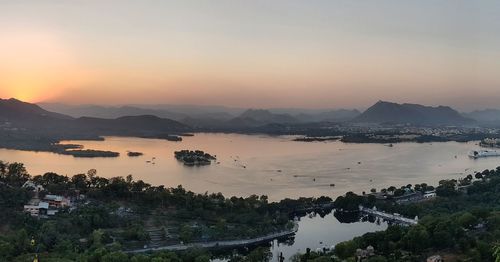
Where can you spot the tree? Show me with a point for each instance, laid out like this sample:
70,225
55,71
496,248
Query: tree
80,182
496,251
377,259
399,192
49,234
186,233
349,202
6,250
97,238
467,220
115,257
446,188
21,241
3,169
260,254
140,258
202,258
63,246
15,174
417,238
345,249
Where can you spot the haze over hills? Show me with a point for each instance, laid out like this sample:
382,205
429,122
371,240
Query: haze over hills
339,115
175,112
31,119
208,116
28,126
262,117
221,117
392,113
488,117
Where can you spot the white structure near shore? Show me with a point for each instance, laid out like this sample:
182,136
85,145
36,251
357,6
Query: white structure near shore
47,206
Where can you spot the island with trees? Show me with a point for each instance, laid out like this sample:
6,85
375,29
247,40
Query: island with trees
194,158
76,150
89,153
316,139
134,154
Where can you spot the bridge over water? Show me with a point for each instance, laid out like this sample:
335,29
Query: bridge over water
389,217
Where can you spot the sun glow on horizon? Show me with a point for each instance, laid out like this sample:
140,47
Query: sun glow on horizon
36,65
251,53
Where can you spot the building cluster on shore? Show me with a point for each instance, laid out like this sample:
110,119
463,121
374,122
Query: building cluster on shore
490,142
47,205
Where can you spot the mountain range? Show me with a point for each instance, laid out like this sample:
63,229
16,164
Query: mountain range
393,113
28,126
486,117
132,120
15,110
211,117
36,120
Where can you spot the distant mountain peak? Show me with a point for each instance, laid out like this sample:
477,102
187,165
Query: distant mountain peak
267,117
15,109
390,112
489,116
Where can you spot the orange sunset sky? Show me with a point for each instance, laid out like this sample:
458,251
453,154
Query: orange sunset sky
284,53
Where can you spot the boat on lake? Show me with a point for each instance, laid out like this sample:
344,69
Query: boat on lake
483,153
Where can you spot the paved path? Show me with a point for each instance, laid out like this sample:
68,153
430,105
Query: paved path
217,244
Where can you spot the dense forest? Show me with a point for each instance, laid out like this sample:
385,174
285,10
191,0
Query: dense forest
461,224
110,216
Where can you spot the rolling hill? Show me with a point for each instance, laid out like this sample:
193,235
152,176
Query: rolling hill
33,119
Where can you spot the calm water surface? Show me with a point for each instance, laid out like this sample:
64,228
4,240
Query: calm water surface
274,166
317,232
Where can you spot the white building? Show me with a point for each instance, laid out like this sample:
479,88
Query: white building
31,184
37,209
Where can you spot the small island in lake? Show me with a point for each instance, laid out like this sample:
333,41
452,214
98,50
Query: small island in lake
316,139
171,138
134,154
194,158
90,153
76,150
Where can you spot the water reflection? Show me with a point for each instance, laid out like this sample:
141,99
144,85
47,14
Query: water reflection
347,217
319,231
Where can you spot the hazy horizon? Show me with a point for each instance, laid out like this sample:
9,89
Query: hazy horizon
252,54
222,107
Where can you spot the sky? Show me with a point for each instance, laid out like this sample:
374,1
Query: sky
278,53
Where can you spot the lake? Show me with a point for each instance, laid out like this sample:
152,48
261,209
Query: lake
267,165
319,232
273,166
